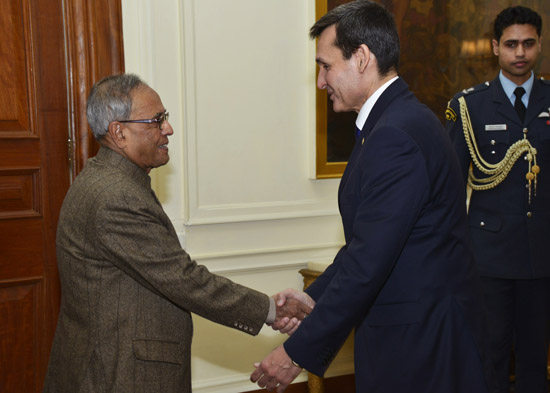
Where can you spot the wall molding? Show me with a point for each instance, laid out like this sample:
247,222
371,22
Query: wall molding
264,260
320,198
232,384
221,214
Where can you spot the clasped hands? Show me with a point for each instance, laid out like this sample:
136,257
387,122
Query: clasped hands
278,370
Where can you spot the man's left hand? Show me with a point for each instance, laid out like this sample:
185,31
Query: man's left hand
276,371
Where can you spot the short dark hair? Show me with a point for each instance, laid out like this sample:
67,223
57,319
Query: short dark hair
516,16
109,100
363,22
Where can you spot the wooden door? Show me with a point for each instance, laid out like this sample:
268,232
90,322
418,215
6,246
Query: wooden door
51,51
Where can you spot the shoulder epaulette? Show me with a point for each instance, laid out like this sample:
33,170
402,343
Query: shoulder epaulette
450,114
474,89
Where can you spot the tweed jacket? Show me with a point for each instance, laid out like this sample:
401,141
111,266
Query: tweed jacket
128,289
509,233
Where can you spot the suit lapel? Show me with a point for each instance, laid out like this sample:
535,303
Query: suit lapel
505,108
536,102
397,88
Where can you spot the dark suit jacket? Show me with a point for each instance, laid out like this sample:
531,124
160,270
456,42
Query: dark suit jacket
509,235
128,289
405,279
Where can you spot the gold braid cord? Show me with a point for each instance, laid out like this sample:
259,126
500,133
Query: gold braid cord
497,172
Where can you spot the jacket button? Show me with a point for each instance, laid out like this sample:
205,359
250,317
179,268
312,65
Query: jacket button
529,214
493,142
481,224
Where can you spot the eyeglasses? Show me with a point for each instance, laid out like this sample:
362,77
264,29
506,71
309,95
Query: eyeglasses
159,119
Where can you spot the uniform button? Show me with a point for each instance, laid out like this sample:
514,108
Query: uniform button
493,152
529,214
236,324
493,142
240,325
525,130
481,224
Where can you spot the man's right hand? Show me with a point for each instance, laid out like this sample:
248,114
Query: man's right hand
292,307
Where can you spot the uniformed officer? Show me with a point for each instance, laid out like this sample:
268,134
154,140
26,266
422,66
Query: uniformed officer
501,133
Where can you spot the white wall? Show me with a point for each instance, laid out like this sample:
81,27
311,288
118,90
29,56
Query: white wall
238,78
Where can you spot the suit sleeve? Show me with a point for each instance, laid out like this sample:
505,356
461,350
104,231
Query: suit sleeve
142,242
454,127
393,189
317,287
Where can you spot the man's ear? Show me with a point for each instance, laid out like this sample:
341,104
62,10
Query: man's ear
495,47
363,57
116,132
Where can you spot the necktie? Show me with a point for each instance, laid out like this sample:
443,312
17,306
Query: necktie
520,108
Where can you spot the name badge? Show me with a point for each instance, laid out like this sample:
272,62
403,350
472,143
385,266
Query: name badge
495,127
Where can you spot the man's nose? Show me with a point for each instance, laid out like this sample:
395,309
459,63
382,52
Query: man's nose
520,50
321,81
167,128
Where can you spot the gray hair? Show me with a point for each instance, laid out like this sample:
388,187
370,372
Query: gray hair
110,100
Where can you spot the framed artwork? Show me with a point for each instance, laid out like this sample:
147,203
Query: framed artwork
442,52
334,134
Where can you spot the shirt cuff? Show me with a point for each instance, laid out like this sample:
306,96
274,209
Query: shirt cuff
272,311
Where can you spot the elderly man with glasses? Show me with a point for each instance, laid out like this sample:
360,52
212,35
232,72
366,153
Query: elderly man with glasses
128,288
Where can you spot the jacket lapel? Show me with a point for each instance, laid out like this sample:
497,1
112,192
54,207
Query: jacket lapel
537,103
397,88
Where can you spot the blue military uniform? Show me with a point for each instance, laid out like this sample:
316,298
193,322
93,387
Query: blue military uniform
510,223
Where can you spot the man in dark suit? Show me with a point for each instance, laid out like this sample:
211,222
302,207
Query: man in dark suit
405,279
128,288
506,140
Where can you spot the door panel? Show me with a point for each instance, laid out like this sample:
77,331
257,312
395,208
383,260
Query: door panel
31,122
51,52
15,63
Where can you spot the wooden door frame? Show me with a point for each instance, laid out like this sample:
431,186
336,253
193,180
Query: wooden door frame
94,49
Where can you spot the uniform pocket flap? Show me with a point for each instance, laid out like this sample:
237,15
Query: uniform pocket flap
485,222
158,351
493,137
395,314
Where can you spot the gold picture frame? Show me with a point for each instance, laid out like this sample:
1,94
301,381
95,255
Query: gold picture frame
325,166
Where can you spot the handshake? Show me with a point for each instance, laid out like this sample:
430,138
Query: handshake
278,370
292,307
